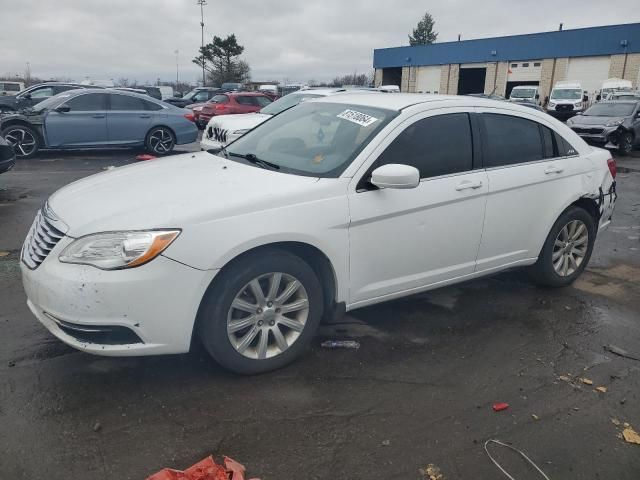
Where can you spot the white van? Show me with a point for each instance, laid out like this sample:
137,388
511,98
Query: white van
166,92
525,93
566,100
11,88
611,85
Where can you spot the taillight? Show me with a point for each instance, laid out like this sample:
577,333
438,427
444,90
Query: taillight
611,163
190,116
219,107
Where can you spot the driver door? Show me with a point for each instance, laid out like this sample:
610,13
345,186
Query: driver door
85,124
402,241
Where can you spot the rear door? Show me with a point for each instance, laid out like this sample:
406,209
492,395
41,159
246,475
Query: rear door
245,104
85,124
531,179
404,240
128,120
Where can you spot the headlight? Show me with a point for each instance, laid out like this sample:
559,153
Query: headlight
241,132
578,104
615,123
552,104
116,250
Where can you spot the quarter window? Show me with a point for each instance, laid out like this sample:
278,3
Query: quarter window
89,102
564,148
438,145
125,102
548,143
511,140
151,105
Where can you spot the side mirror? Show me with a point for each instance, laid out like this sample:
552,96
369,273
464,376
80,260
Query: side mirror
395,175
537,96
177,95
64,108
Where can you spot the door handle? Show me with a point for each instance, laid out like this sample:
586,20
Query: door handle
553,169
98,115
145,116
466,185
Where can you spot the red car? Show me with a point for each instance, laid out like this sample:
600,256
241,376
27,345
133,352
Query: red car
232,103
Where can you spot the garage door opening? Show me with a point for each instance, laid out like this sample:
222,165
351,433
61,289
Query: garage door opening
392,76
510,86
471,80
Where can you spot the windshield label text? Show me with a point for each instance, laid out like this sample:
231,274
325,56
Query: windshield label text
357,117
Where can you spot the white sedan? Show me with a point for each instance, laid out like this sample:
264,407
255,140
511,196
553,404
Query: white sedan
341,202
224,129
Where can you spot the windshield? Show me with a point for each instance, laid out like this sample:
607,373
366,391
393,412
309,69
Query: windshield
315,139
287,102
523,93
566,94
191,93
50,102
610,110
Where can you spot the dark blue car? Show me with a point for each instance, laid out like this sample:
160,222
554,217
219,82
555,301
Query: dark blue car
91,118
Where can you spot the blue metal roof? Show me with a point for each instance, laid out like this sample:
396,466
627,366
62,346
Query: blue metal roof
581,42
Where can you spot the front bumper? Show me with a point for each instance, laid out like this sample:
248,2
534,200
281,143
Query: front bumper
606,138
146,310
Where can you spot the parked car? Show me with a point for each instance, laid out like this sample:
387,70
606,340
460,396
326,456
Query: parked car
7,156
197,95
35,94
613,124
525,94
630,95
10,88
566,99
230,104
535,106
91,118
139,91
327,207
153,91
222,130
612,85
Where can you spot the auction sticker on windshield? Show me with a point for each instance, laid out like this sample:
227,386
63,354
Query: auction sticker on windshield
357,117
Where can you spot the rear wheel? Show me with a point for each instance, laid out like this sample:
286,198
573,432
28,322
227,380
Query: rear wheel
160,141
262,312
23,139
567,250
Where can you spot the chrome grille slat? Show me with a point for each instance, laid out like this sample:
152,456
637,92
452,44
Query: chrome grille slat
42,238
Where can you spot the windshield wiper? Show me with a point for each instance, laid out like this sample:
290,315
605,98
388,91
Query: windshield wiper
251,158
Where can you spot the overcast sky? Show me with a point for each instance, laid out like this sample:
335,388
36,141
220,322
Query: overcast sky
292,40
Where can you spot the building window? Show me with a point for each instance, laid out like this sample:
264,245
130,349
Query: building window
514,65
525,64
537,64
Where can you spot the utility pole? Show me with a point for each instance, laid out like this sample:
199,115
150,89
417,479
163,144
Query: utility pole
202,3
177,52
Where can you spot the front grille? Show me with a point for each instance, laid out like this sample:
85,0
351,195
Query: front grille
41,239
219,134
589,131
564,108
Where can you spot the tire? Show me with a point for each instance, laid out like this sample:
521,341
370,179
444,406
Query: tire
234,336
550,270
24,139
160,141
625,143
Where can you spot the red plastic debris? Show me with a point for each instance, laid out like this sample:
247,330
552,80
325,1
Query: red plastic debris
498,407
206,469
145,156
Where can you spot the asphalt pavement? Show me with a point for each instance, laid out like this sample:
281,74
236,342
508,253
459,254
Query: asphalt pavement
418,391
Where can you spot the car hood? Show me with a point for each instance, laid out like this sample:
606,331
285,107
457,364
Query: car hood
239,122
593,120
172,192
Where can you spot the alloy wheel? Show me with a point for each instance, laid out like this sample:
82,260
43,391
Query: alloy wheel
570,248
267,315
22,141
161,141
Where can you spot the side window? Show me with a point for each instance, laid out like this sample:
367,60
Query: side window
438,145
201,96
511,140
245,100
151,105
564,148
44,92
89,102
125,102
548,143
261,101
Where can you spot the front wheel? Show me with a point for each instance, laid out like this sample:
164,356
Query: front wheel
262,312
23,139
567,250
160,141
625,143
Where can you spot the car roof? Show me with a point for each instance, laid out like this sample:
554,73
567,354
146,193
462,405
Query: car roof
400,101
250,94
